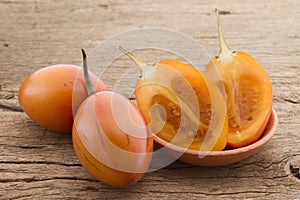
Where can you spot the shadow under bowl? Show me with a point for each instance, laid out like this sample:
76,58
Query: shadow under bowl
220,158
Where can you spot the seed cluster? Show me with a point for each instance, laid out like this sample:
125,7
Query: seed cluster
242,106
179,119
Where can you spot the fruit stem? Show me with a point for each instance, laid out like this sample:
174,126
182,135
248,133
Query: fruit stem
89,85
224,49
138,61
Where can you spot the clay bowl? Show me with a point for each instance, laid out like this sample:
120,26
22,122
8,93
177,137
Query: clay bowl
220,158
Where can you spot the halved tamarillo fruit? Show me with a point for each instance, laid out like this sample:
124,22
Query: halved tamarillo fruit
248,92
181,105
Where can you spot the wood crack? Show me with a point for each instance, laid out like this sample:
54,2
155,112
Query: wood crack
30,180
31,147
291,101
20,197
295,171
294,166
220,193
42,163
11,108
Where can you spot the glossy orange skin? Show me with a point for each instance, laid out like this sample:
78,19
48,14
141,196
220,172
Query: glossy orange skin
51,95
145,92
252,97
104,148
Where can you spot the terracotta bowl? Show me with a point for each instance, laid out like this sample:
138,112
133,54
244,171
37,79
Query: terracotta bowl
220,158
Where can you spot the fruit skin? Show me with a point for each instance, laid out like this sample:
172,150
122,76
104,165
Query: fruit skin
146,90
52,94
112,149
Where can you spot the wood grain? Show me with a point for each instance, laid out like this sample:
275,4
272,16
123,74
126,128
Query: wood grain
39,164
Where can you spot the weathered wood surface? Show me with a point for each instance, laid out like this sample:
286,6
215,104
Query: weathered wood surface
38,164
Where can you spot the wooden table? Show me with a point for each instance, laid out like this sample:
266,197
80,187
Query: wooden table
36,163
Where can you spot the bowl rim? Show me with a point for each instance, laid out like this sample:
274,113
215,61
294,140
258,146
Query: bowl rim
267,135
